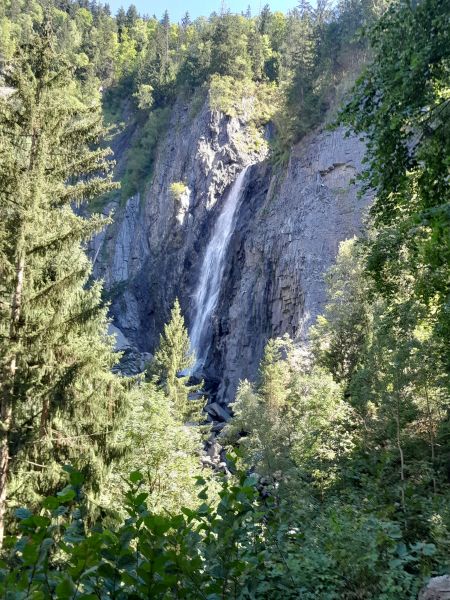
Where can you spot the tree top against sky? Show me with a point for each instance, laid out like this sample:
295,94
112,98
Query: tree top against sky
197,8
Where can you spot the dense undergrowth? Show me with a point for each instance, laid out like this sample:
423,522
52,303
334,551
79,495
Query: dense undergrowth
240,547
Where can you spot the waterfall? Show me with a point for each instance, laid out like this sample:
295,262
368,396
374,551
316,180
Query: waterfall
208,288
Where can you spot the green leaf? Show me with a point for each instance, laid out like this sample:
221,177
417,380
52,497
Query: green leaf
66,495
65,589
203,495
76,478
51,503
22,513
136,476
141,498
158,524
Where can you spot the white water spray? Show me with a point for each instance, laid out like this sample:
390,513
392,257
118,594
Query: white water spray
208,288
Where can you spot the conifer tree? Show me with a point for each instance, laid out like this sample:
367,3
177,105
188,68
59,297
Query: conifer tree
165,22
58,398
185,21
131,16
229,53
264,18
172,361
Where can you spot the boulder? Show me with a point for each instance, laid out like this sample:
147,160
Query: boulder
122,343
438,588
218,412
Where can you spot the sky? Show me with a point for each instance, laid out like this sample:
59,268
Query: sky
198,8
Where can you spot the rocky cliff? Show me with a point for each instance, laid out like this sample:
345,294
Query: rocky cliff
288,227
287,236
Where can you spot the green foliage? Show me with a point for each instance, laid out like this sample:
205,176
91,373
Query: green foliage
229,54
294,422
60,402
389,358
285,68
340,489
141,157
242,547
401,386
144,96
401,104
178,189
254,103
341,332
250,101
162,448
171,365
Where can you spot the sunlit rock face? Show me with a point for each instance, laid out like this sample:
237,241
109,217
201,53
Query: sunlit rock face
286,232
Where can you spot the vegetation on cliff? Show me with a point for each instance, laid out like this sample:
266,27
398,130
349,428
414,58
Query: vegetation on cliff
293,64
337,479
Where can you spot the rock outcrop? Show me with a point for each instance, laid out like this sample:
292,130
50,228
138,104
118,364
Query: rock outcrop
288,229
152,252
438,588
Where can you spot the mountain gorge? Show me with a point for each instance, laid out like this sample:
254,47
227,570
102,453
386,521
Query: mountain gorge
286,234
224,302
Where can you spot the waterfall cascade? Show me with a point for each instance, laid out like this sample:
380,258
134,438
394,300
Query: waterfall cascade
211,272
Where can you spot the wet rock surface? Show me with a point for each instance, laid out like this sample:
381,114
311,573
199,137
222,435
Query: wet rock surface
152,252
287,236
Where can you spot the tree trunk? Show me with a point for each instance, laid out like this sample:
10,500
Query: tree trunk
8,395
431,434
400,450
6,415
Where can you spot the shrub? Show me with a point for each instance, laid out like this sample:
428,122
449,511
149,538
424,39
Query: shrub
142,154
243,547
178,189
250,101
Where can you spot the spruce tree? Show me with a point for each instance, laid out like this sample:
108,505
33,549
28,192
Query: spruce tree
58,398
264,19
132,16
229,52
185,21
172,361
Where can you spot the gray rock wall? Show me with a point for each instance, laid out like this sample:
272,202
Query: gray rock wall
152,252
288,233
289,226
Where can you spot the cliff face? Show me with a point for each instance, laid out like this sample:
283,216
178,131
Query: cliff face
287,232
287,236
152,252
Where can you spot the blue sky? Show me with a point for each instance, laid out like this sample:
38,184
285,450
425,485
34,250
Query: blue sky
197,7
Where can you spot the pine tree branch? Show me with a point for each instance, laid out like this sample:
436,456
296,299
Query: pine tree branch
84,191
55,286
90,227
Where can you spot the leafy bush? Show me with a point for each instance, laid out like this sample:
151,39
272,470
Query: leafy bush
250,101
177,189
243,547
